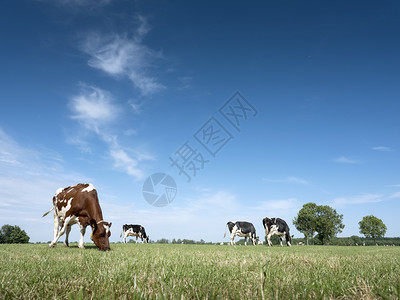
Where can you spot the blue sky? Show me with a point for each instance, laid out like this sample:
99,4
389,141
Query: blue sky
108,91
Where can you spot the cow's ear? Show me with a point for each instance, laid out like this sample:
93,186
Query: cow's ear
110,224
93,224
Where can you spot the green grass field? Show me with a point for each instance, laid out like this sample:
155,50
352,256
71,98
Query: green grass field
199,271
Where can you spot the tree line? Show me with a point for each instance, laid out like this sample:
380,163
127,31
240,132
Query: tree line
321,224
182,241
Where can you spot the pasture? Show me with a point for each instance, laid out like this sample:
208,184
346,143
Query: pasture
131,271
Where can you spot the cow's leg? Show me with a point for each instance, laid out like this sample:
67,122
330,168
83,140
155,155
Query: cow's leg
245,241
232,237
280,239
269,240
288,238
82,230
61,232
56,227
254,238
125,236
67,231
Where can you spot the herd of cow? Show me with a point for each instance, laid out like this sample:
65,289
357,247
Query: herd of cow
79,204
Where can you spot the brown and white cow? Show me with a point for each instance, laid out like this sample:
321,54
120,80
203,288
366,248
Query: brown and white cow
79,204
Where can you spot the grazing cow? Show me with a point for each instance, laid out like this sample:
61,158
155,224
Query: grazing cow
79,204
277,226
242,229
134,230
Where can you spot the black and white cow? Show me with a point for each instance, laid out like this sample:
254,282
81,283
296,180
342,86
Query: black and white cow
276,226
134,230
242,229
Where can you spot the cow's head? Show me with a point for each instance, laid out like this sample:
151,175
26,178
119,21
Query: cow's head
101,234
143,234
289,240
267,223
230,226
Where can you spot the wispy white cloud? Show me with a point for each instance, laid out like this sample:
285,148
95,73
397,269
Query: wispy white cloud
80,142
96,110
359,199
382,148
142,29
395,195
136,106
93,107
81,3
277,207
290,179
126,163
346,160
184,83
9,150
119,55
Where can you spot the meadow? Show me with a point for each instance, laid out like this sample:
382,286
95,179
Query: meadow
131,271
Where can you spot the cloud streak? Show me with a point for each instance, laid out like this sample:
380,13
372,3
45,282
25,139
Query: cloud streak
82,3
96,110
345,160
93,108
359,199
290,179
121,56
395,195
382,148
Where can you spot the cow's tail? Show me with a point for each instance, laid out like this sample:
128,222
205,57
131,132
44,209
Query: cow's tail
226,230
48,212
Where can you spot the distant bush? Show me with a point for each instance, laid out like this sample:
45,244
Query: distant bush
13,235
356,241
163,241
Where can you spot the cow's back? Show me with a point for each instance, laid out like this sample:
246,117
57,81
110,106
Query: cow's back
283,226
246,227
73,200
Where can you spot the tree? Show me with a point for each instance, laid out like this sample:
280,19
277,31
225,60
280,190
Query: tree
328,223
318,218
372,227
13,235
305,222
